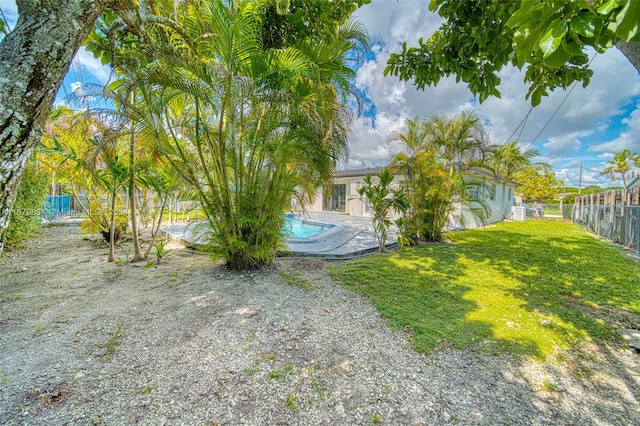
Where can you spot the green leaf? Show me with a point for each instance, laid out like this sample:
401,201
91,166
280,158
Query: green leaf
524,45
518,19
586,24
536,97
628,21
607,7
553,38
573,48
558,58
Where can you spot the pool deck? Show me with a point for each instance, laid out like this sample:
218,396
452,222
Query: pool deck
355,239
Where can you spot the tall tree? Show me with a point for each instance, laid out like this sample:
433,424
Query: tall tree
245,124
621,163
459,140
34,57
480,37
506,160
441,151
537,184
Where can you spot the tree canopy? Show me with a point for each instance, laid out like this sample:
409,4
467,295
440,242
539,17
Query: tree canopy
478,38
622,163
537,184
37,52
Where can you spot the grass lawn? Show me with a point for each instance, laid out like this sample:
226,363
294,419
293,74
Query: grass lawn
553,210
522,287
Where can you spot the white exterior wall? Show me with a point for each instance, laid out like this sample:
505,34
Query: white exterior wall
500,207
461,216
353,205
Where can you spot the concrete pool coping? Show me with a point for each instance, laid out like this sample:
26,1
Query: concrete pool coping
327,229
355,237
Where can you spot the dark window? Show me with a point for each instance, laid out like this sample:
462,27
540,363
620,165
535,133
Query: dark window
336,199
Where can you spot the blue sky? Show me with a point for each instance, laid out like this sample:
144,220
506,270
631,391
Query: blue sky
591,125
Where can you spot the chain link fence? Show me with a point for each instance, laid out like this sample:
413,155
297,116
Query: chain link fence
620,224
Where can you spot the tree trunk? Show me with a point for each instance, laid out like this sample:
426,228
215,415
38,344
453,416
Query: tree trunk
631,50
34,58
112,223
137,251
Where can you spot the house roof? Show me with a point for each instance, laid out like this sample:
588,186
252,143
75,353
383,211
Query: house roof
634,182
490,175
358,172
376,170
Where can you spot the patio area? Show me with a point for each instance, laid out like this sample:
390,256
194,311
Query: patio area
356,238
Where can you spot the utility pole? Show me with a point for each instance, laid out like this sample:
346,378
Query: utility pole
580,180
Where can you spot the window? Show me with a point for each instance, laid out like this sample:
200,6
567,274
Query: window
473,193
336,199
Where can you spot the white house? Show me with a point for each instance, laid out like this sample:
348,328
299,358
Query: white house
500,201
343,197
634,183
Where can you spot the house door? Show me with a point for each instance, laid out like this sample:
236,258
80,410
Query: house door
336,199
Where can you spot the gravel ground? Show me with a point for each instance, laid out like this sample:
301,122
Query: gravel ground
83,342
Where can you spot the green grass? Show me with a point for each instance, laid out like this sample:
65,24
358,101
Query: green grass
147,389
291,403
295,278
110,347
553,210
522,287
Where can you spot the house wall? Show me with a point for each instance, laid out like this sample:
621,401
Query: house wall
500,206
353,205
461,217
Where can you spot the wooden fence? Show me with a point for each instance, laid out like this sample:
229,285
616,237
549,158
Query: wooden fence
614,215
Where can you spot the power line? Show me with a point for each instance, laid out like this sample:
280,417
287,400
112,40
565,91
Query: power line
522,124
6,21
552,115
557,109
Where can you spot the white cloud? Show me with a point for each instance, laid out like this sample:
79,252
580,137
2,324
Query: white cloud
580,116
628,139
565,145
85,66
370,145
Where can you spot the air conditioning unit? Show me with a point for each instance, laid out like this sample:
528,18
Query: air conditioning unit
519,213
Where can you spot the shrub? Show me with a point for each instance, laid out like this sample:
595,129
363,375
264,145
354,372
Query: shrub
25,216
570,199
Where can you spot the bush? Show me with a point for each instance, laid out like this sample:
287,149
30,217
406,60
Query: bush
25,216
570,199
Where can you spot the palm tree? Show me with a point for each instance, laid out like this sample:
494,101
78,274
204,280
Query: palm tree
105,159
245,125
460,141
383,199
506,160
621,163
119,104
440,152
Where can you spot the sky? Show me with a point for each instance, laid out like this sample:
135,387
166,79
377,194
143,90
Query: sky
591,124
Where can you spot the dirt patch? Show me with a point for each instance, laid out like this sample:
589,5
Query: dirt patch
613,316
84,341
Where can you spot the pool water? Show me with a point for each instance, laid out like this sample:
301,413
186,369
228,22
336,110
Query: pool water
297,228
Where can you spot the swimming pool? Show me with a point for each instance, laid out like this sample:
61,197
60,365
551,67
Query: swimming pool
298,229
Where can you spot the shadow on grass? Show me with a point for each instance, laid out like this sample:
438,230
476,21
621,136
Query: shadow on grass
519,287
415,291
537,288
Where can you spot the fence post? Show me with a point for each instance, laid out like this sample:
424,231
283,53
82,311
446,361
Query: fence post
638,231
